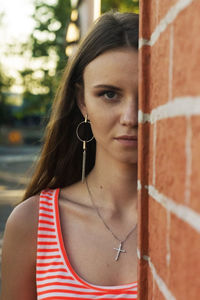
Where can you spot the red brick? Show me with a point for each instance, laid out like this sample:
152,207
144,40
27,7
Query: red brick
182,275
163,7
150,284
195,152
144,77
143,154
153,14
143,158
151,154
157,237
143,280
158,11
159,70
145,31
153,289
143,222
186,59
184,263
157,295
171,158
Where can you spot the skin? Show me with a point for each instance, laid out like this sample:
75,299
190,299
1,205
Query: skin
113,180
113,183
112,112
19,252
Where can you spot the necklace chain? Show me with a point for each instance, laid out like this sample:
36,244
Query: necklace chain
102,219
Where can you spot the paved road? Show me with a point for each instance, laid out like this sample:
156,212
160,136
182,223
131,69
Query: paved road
15,171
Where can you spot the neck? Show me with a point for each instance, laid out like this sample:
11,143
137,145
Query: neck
114,184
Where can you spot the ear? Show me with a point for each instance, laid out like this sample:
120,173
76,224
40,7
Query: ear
80,98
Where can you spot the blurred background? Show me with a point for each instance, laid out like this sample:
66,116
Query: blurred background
36,39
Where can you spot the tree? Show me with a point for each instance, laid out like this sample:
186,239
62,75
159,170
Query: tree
50,32
46,49
5,83
47,45
5,112
121,6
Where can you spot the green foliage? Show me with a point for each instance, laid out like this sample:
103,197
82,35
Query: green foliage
47,46
33,105
50,30
5,111
121,6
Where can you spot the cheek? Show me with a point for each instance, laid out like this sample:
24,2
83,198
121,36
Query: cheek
101,123
101,115
98,123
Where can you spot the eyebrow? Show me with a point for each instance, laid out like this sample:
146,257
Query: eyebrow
107,86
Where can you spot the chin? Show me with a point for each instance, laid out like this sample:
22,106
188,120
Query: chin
133,162
129,160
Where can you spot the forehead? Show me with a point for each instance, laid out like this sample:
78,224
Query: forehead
113,65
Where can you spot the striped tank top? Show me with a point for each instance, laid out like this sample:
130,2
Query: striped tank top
55,277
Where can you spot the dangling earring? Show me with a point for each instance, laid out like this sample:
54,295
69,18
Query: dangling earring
84,146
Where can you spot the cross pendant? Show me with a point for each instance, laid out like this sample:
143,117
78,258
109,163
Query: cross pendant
119,250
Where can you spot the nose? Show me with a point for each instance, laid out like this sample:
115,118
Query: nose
129,113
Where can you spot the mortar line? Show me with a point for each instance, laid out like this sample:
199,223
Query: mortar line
183,212
159,281
180,106
169,18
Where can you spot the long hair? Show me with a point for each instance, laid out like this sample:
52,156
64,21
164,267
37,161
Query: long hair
59,164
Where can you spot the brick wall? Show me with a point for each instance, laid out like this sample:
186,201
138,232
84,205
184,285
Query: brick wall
169,150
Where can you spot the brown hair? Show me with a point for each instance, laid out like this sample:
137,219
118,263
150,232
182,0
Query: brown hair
59,164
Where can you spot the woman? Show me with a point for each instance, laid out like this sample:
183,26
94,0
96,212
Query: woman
83,244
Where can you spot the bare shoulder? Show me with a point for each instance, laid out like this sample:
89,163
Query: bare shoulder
22,222
25,215
19,251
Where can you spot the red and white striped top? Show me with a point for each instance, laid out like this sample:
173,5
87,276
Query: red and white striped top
55,277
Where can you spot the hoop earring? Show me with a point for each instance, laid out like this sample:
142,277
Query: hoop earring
84,146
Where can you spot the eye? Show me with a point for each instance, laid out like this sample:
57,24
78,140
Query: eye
109,95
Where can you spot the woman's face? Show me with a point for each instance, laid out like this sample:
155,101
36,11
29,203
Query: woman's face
110,99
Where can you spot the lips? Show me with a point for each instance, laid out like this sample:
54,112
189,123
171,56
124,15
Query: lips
127,140
127,137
